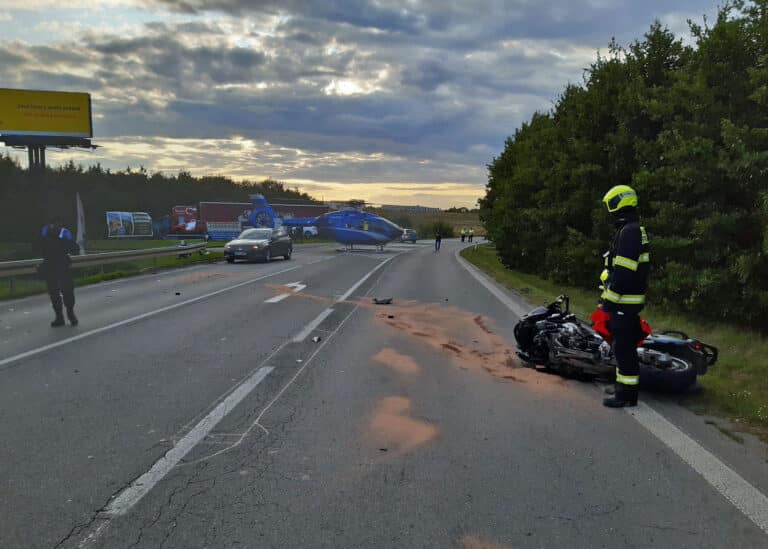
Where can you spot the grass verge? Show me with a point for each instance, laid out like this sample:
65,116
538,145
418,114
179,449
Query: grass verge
737,386
13,288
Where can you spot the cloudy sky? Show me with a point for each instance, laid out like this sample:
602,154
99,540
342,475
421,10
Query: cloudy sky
401,101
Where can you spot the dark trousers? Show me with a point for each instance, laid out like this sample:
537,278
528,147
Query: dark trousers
437,245
626,331
61,286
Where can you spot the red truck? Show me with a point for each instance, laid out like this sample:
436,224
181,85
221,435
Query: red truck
193,220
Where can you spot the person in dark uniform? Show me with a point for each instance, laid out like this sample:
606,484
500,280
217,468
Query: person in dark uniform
438,240
625,281
55,243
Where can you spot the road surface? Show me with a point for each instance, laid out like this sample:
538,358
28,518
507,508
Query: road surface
274,405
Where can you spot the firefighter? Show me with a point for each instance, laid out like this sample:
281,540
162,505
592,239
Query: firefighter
625,281
55,243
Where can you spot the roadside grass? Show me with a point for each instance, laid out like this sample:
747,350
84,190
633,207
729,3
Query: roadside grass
16,287
737,386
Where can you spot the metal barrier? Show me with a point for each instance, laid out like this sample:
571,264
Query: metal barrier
29,266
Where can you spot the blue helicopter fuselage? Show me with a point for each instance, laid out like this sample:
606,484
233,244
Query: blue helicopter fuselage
347,226
352,227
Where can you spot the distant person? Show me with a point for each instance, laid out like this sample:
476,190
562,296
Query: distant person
471,234
55,243
463,234
438,241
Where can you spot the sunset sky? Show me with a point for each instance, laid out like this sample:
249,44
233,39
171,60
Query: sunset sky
401,101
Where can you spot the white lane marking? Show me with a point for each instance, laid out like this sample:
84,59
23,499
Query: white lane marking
296,286
142,485
312,326
747,499
490,286
366,277
277,298
142,316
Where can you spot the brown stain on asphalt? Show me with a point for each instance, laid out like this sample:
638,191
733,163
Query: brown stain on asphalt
475,542
393,428
399,362
469,340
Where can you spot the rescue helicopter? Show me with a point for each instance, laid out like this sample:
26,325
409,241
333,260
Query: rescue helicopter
347,226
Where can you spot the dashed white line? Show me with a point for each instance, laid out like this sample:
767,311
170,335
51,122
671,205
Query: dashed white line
312,326
142,485
277,298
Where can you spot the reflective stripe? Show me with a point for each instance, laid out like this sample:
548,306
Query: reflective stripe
644,258
643,235
627,380
625,262
619,299
611,296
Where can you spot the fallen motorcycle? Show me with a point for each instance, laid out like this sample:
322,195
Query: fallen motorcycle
553,337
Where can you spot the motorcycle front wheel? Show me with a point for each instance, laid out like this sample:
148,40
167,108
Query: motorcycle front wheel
664,372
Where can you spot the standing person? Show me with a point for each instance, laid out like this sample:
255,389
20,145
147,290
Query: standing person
471,234
625,280
463,233
55,243
438,240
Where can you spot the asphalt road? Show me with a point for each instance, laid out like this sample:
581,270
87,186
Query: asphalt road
217,406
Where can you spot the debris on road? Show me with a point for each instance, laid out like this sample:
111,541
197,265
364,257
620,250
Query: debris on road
178,293
316,339
383,300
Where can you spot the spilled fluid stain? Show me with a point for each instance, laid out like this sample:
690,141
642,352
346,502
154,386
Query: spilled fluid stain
392,426
475,542
399,362
469,340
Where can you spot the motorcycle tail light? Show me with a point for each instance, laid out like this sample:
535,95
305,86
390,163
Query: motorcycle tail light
697,345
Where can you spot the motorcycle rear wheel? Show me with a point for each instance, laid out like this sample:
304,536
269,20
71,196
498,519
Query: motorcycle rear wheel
663,372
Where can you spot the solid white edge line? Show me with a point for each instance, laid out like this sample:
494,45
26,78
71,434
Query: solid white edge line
732,486
309,328
483,279
277,298
142,316
142,485
745,497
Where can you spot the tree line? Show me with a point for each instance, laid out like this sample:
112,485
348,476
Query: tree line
25,202
686,124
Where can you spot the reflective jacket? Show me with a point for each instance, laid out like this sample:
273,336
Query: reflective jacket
627,263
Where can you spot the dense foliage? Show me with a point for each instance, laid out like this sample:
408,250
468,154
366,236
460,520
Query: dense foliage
687,126
25,202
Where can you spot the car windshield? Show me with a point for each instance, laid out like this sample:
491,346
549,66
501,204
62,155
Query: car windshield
256,234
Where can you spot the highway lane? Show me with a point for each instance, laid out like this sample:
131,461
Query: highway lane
410,431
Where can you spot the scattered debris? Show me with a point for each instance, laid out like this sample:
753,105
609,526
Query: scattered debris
383,449
178,293
316,339
390,316
383,300
393,424
298,360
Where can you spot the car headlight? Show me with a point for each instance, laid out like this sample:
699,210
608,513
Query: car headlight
227,246
256,246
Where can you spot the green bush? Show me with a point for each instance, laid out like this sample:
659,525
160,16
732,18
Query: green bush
687,126
428,230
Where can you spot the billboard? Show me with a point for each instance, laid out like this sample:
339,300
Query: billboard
45,113
128,224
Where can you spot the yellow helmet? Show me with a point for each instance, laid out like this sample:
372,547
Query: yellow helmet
620,196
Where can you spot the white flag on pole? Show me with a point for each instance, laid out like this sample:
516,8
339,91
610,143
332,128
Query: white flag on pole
80,224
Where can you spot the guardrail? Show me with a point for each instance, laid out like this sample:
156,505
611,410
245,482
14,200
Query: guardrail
29,266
